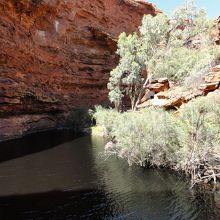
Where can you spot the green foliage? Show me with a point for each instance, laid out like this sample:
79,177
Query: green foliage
140,140
126,77
174,47
153,33
188,46
115,87
153,137
147,137
181,62
105,118
198,132
189,21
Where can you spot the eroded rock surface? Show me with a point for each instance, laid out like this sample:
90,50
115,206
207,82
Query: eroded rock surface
175,96
57,54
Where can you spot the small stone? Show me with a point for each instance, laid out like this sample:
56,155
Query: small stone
158,87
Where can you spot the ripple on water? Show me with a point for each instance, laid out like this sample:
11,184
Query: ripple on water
70,180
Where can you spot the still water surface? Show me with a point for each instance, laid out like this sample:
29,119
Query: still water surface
48,176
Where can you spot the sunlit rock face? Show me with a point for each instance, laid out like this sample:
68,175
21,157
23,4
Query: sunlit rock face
57,54
160,94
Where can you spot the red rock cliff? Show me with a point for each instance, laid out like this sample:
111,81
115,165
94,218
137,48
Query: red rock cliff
57,54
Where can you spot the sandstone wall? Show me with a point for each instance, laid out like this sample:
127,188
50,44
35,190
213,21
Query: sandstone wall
57,54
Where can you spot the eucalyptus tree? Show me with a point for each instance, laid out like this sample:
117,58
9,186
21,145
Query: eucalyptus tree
172,47
127,77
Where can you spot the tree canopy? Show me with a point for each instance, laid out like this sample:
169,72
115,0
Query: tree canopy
173,47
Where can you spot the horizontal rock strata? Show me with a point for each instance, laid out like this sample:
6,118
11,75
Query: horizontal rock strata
56,55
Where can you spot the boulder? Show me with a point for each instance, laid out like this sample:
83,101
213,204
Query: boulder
167,98
173,98
159,85
208,87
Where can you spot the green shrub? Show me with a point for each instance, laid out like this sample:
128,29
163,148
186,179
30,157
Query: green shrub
188,141
105,118
146,138
198,130
179,63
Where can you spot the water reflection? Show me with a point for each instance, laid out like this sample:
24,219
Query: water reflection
72,181
33,143
151,194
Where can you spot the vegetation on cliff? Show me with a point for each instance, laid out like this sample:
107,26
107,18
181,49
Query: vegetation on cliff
174,47
188,140
185,141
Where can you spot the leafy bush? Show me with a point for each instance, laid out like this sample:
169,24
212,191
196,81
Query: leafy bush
146,138
126,77
105,118
188,141
174,47
198,132
179,63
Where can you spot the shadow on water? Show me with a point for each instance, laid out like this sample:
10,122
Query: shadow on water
62,179
96,204
33,143
82,204
76,122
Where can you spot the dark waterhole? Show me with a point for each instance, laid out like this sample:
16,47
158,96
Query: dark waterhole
48,176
